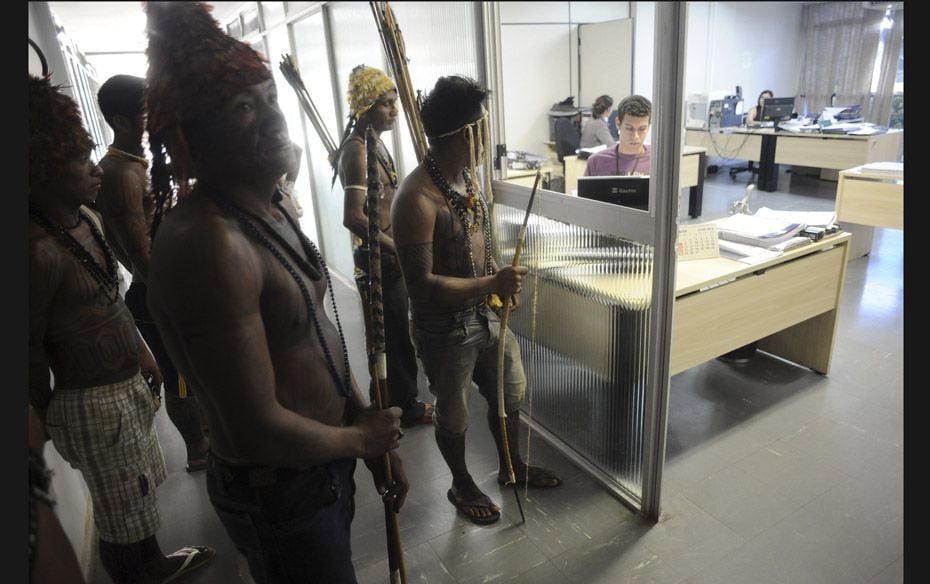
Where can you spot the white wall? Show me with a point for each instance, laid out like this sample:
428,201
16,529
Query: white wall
539,63
755,45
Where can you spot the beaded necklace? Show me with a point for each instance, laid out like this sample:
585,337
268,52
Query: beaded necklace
388,165
247,221
386,162
460,205
106,278
116,152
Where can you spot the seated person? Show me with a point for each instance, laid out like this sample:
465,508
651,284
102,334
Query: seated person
754,116
596,132
630,156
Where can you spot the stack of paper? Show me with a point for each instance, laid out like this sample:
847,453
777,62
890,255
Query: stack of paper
889,167
759,231
824,219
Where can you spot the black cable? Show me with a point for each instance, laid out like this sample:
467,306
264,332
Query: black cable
39,52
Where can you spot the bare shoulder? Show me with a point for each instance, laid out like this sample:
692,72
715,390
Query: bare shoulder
198,250
43,249
417,190
416,207
353,154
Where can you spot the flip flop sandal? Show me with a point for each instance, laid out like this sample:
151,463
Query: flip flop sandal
195,466
462,504
195,557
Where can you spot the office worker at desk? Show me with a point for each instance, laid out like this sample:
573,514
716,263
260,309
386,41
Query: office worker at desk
755,113
596,132
630,155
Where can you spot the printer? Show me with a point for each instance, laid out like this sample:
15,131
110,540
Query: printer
725,112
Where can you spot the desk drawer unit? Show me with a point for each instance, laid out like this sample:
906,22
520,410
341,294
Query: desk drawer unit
790,306
870,201
819,152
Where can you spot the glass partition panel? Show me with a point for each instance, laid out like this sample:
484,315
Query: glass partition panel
279,44
312,52
583,329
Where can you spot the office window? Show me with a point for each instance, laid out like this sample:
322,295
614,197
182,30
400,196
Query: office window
897,100
272,14
250,20
234,29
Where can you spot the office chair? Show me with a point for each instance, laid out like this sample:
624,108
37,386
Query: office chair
751,168
567,137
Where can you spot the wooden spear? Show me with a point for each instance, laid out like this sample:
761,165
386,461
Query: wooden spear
377,356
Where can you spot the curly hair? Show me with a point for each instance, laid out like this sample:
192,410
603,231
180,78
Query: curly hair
56,132
635,106
454,101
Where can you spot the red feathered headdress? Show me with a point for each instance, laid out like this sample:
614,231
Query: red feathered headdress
56,133
193,68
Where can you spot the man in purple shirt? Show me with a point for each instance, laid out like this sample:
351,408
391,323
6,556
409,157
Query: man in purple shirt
629,156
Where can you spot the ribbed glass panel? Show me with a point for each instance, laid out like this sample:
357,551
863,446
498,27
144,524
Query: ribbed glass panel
583,328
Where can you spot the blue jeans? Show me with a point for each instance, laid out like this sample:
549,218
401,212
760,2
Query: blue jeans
460,347
292,526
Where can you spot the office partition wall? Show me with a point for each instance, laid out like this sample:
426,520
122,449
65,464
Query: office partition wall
595,322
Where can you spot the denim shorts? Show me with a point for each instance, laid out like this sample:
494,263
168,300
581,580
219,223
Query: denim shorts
457,348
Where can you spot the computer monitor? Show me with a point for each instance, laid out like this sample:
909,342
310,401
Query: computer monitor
629,191
777,109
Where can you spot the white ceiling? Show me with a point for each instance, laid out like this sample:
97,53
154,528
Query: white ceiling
116,27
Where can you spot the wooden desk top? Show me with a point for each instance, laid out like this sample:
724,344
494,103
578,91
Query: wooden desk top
687,150
861,172
788,134
693,275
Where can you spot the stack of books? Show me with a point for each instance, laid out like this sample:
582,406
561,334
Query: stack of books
766,232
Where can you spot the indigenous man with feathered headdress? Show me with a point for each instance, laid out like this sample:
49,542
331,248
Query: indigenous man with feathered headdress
372,98
238,291
442,231
101,412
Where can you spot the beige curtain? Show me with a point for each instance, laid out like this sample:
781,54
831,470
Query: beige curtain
840,41
881,106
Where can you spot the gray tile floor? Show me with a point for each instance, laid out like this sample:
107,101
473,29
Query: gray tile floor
774,474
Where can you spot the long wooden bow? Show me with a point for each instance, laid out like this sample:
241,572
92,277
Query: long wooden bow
505,316
396,52
377,356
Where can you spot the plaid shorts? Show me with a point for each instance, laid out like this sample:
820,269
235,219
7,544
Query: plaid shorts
108,433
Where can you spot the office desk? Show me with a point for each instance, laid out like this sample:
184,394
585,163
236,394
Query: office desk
865,200
526,177
691,175
789,304
585,321
830,152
